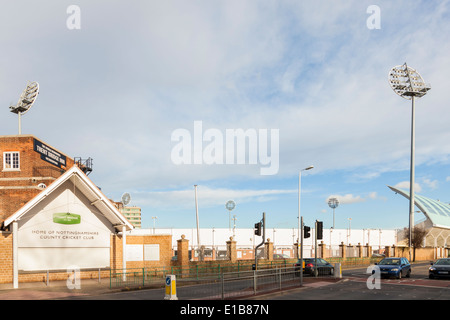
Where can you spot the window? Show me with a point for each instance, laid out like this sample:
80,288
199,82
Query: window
11,161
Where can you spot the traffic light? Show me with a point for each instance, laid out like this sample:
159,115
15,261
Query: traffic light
306,231
258,228
319,230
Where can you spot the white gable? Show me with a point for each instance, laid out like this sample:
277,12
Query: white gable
82,185
69,224
65,218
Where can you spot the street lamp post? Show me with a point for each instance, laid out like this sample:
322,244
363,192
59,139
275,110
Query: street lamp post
299,191
408,84
196,214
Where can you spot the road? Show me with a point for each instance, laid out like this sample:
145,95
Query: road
353,286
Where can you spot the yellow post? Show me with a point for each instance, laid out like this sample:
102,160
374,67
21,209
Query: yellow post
171,288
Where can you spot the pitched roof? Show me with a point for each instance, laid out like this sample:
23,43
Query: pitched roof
436,211
87,188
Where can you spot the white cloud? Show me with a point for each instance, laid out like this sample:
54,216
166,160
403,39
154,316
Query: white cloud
351,198
347,199
432,184
405,185
207,197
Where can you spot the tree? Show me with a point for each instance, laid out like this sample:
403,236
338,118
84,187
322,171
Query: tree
418,235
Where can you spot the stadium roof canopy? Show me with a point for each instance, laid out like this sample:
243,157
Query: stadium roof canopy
436,211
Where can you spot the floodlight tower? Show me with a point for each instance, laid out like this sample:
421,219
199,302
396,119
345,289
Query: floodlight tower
230,205
26,100
333,203
408,84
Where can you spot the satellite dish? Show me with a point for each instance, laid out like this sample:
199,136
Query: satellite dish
26,100
126,198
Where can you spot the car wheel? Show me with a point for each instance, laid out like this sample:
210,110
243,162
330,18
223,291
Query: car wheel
399,275
430,276
408,274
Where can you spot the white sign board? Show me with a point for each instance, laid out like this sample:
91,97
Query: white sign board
139,252
151,252
64,230
134,252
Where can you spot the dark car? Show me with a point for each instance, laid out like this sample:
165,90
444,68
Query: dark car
441,268
323,267
394,267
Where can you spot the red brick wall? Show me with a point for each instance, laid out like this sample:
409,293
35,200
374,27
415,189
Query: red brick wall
165,250
6,264
165,254
19,187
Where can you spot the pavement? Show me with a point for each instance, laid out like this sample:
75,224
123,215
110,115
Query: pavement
54,290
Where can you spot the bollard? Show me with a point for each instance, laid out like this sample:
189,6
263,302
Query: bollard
337,271
171,288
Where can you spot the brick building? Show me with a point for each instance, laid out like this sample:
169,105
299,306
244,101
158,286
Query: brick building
53,217
27,166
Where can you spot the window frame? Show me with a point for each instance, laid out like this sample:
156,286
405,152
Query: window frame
12,160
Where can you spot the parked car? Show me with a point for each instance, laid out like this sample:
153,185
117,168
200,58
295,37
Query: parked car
323,267
396,267
441,268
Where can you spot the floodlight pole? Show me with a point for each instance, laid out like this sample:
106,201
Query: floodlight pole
411,182
407,82
20,123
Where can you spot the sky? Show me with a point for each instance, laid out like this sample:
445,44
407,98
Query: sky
153,91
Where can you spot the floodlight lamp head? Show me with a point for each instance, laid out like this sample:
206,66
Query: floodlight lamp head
407,82
333,203
230,205
27,98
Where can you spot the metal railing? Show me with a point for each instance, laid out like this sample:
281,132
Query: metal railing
195,283
156,275
234,285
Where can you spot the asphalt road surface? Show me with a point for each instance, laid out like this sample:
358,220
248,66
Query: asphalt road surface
353,286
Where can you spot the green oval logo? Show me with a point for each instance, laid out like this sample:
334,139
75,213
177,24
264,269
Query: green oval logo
66,218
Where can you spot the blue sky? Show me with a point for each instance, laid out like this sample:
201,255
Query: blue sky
118,87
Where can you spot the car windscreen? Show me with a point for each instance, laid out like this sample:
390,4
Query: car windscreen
445,262
392,262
